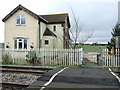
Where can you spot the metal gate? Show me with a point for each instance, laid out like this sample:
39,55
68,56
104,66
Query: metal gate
91,57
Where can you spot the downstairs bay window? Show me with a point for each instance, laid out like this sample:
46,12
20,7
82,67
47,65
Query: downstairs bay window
21,43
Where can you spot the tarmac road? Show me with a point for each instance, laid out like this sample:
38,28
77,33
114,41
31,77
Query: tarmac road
78,78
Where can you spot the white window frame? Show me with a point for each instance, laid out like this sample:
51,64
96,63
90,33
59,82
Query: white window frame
22,41
20,22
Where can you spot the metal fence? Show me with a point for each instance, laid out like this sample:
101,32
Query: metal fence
46,56
111,60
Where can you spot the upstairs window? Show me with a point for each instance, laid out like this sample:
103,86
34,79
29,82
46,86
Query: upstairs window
21,43
20,20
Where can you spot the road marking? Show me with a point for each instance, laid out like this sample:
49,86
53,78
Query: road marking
51,79
114,75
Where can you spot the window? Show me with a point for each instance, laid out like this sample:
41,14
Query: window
21,43
54,28
46,42
20,20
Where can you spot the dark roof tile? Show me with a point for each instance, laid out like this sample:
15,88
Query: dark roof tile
48,33
55,18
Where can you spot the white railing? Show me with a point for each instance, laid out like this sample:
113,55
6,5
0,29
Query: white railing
47,56
111,60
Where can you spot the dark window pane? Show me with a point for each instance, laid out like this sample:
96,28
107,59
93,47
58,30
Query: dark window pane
54,27
18,20
20,45
25,44
46,42
15,44
22,20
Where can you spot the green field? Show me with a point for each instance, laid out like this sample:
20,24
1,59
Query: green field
92,48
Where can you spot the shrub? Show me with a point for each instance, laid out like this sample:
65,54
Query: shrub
6,59
31,58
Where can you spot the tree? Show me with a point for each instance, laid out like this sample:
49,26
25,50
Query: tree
114,43
76,29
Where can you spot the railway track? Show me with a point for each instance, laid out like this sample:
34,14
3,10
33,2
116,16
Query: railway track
22,71
19,73
12,86
27,67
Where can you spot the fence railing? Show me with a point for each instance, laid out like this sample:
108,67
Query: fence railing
46,56
111,60
60,57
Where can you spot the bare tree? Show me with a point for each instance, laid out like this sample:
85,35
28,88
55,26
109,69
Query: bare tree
76,29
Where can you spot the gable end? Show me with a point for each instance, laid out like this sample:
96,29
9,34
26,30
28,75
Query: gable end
49,33
20,7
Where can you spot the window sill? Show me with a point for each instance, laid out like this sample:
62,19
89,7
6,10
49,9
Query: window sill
21,25
21,50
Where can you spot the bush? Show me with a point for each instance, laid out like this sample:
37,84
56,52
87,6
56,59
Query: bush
31,58
6,59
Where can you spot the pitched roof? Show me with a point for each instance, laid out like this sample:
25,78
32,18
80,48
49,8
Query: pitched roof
48,33
50,19
20,7
55,18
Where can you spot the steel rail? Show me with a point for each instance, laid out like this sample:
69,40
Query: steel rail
13,85
22,71
27,67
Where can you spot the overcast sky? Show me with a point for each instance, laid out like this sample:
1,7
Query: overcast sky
99,16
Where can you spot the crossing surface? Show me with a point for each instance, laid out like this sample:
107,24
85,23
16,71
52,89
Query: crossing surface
78,78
